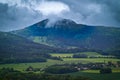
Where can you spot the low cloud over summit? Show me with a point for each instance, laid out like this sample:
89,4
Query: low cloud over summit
17,14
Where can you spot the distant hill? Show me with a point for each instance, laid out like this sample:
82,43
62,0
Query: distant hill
66,33
14,48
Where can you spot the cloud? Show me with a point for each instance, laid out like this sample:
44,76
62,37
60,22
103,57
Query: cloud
17,14
52,8
94,12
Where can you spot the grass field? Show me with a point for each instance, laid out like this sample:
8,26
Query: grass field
62,55
23,66
71,54
93,74
91,54
89,60
95,54
97,76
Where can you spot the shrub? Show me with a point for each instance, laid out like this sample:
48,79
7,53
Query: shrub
80,56
105,70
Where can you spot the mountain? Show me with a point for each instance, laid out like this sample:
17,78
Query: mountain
66,33
15,48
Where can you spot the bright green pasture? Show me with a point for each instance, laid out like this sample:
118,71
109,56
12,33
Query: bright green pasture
89,60
71,54
62,55
95,54
23,66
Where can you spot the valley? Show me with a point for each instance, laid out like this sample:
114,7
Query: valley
66,49
59,39
67,59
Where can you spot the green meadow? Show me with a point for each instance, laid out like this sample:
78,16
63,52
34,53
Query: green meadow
67,59
23,66
94,75
95,54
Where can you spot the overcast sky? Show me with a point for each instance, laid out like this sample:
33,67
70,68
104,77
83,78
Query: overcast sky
17,14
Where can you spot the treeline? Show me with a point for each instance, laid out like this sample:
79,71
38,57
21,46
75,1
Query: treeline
30,58
11,74
78,55
25,60
60,69
114,52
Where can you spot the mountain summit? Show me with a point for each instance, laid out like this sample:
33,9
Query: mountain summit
54,23
47,27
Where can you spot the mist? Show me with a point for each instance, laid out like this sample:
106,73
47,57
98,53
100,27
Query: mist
18,14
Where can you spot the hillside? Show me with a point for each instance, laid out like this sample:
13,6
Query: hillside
68,34
15,48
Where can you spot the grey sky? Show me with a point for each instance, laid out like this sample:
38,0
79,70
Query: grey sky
17,14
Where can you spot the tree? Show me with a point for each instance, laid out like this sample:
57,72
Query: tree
105,70
80,56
